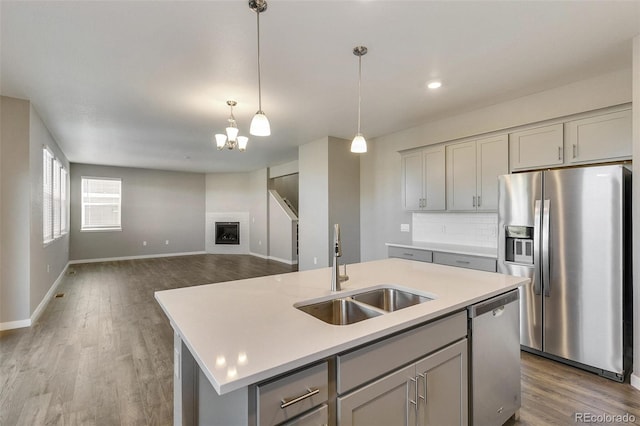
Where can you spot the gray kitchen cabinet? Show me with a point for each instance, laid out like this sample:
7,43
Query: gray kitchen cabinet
317,417
423,179
431,391
537,147
472,173
465,261
605,137
410,254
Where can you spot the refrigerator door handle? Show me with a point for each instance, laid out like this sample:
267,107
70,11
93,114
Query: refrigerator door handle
536,246
546,255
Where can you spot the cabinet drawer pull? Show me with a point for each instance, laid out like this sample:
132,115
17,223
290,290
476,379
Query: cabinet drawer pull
463,262
408,254
291,401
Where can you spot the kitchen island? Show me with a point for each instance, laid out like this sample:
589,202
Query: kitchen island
235,342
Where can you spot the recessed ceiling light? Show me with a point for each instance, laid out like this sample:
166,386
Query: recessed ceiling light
434,84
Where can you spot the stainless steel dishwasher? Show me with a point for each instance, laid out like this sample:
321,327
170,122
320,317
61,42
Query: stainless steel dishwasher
494,327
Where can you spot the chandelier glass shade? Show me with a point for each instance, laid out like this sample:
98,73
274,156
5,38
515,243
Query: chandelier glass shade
231,140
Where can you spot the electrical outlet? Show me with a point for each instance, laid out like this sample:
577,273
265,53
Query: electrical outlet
144,243
48,268
315,260
444,229
405,227
259,242
166,242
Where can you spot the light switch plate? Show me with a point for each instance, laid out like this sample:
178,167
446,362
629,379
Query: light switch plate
405,227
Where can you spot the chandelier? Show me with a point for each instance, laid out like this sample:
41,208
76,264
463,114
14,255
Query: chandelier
231,140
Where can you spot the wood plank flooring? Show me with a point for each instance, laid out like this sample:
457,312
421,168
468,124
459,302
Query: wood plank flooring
103,353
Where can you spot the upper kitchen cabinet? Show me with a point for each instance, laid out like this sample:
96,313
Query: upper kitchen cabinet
606,137
536,148
472,173
423,179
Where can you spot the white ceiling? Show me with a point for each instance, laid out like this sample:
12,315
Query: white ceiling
144,84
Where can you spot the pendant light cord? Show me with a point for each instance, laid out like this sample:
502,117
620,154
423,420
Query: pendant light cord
359,88
259,79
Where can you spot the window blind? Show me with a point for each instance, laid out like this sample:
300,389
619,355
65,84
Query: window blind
101,202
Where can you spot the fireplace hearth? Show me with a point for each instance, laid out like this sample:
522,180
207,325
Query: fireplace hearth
228,233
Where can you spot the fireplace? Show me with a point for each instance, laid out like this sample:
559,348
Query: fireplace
227,232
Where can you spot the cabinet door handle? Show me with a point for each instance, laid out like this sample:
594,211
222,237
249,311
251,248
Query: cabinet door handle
559,153
415,384
575,150
474,201
478,201
291,401
425,201
423,397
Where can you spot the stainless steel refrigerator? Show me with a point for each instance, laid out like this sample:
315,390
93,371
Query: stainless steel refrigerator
569,230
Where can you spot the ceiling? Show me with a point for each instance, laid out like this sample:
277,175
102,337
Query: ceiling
145,84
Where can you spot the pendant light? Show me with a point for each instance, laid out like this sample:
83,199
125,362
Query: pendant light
260,123
359,144
231,140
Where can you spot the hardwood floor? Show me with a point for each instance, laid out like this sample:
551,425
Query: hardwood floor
103,354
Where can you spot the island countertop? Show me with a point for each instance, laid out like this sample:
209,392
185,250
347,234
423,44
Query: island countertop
243,332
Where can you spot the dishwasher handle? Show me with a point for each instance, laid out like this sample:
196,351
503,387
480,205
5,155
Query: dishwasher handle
493,305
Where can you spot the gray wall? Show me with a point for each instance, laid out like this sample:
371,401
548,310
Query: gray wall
14,208
344,198
156,206
287,186
46,262
313,214
28,269
259,225
329,187
635,378
380,194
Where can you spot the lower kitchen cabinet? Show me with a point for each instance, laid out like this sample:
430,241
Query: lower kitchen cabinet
432,391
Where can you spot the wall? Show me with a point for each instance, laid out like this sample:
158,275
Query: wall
282,231
258,210
14,207
48,262
635,377
156,206
344,198
313,213
380,195
288,187
228,199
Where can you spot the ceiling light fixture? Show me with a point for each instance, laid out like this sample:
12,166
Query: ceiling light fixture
231,140
359,144
434,85
260,123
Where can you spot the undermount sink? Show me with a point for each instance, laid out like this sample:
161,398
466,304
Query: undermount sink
390,299
340,311
368,303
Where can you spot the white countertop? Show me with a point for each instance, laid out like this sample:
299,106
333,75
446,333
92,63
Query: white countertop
491,252
243,332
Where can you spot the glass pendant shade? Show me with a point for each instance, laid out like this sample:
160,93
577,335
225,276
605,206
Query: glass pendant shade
260,125
220,140
232,133
359,144
242,143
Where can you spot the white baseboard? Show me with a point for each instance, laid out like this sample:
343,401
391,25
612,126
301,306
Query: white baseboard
259,255
146,256
288,262
635,381
15,324
47,297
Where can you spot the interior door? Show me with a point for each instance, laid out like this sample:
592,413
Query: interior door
583,292
520,204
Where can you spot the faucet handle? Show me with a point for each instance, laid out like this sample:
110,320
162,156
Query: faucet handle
344,277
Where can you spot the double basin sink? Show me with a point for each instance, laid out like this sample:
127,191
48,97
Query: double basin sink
360,306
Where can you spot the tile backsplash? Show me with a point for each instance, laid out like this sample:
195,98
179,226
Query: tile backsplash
469,229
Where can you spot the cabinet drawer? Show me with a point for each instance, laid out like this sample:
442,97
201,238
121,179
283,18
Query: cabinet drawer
411,254
463,261
317,417
298,392
367,363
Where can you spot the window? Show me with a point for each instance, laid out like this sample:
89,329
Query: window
54,197
101,199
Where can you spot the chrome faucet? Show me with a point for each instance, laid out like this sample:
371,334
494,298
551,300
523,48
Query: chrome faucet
336,278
